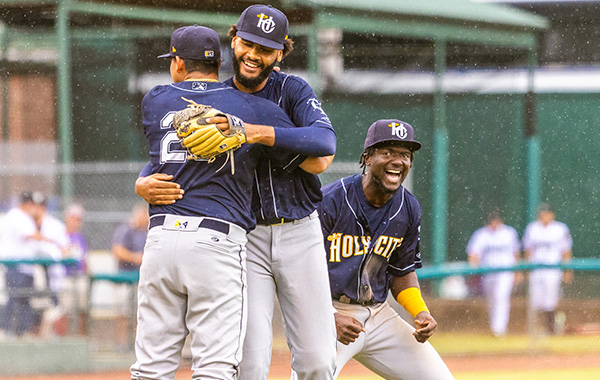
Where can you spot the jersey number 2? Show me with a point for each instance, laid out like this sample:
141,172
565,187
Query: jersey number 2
170,149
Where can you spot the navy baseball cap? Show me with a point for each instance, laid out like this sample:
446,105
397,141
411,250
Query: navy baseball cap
263,25
388,130
195,42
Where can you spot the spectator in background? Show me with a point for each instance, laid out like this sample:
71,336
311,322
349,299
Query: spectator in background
128,247
78,247
23,238
547,241
74,298
129,240
493,246
53,245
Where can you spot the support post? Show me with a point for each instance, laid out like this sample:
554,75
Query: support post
65,131
440,159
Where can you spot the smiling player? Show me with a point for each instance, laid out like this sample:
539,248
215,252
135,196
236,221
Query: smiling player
371,230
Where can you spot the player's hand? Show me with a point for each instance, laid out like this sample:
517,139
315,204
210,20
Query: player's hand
255,133
348,328
158,189
221,122
425,325
568,276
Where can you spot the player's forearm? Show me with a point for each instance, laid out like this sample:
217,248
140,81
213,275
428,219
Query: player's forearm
260,134
316,165
473,261
307,141
399,284
407,293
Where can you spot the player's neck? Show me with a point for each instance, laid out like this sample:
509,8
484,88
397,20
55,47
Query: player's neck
374,193
194,75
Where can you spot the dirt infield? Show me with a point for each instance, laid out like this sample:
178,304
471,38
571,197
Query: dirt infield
280,366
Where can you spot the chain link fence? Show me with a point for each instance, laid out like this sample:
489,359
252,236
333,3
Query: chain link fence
104,189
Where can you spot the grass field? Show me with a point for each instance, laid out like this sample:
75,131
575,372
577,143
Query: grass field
479,356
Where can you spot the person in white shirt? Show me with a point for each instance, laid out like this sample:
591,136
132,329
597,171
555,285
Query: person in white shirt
547,241
496,245
20,237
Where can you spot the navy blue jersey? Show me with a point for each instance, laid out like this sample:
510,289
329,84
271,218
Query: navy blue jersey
356,233
291,192
210,188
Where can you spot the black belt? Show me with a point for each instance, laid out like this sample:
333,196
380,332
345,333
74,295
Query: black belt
344,299
273,221
211,224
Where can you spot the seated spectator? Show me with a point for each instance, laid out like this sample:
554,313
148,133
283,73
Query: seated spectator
128,246
20,237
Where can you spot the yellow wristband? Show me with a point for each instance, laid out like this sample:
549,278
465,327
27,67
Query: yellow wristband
412,301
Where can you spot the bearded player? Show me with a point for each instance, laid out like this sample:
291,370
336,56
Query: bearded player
285,250
371,230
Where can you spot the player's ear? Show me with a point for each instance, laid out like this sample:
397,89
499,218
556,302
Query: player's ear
179,64
233,41
279,55
366,158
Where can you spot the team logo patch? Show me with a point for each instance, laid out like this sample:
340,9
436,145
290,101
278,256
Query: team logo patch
265,23
180,224
209,53
399,130
174,50
199,86
315,103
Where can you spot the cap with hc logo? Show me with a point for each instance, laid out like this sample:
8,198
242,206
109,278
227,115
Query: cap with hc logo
390,130
195,42
263,25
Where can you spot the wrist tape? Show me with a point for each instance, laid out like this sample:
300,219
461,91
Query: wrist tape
412,301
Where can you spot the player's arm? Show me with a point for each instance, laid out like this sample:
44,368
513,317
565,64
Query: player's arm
568,273
313,135
316,165
157,188
407,293
308,141
473,259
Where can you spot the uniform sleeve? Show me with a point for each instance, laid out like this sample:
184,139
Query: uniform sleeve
527,244
327,214
407,257
315,135
146,170
567,241
516,241
474,245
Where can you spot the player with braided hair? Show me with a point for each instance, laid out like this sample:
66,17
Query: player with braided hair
371,227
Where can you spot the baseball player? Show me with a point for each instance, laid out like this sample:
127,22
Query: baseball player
547,241
193,274
371,232
285,250
496,245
